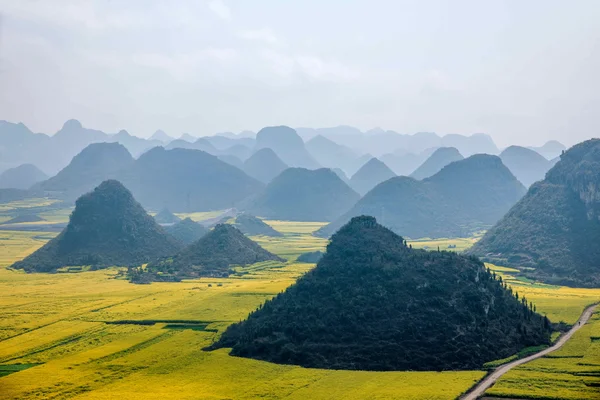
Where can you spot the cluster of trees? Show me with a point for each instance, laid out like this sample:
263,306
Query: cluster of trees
373,303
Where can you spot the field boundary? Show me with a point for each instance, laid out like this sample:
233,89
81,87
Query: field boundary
479,389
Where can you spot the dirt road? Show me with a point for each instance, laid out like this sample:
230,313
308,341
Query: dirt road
489,380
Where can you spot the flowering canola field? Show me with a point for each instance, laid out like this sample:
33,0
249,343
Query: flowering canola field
93,335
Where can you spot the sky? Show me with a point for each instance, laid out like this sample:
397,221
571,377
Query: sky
522,71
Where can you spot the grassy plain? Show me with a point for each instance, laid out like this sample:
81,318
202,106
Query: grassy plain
57,339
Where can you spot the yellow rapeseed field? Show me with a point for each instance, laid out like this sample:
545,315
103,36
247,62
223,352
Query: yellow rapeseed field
59,325
78,335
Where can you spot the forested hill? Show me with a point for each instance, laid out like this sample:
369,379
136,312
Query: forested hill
555,228
299,194
214,254
464,197
372,303
108,227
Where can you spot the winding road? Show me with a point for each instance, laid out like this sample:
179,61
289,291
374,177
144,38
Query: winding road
489,380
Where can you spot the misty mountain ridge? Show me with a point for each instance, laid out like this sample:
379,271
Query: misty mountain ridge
370,175
299,194
287,144
526,164
264,165
179,179
463,198
438,160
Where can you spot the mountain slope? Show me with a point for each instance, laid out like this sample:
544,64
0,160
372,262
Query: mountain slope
185,180
264,165
22,177
330,154
555,228
527,165
96,163
463,198
252,226
286,143
370,175
438,160
212,255
299,194
186,231
550,149
161,136
372,303
108,227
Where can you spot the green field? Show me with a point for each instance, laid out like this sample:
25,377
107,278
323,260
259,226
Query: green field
59,339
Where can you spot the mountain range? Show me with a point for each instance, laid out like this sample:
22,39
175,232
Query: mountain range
463,198
181,180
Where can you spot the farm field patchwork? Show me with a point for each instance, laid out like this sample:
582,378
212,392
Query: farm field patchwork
93,335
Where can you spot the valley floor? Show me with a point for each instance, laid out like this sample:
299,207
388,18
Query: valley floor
93,335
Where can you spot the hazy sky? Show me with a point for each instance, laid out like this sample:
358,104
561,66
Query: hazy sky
522,71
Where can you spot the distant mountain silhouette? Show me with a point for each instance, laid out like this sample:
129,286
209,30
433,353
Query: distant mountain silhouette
286,143
161,136
166,217
252,226
186,180
373,303
403,164
108,227
238,150
527,165
200,144
464,197
550,149
330,154
370,175
95,164
186,231
438,160
188,138
18,145
555,228
232,160
226,142
22,177
342,175
212,255
299,194
358,163
478,143
133,144
264,165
